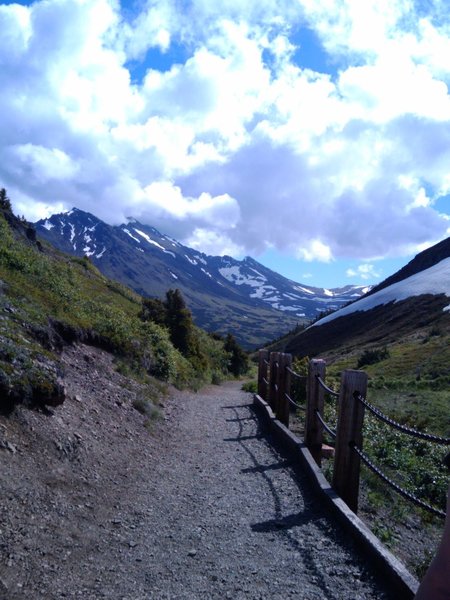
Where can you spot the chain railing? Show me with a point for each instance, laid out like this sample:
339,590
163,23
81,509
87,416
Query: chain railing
408,430
274,383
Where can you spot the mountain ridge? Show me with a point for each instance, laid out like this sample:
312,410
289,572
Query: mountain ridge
400,306
224,294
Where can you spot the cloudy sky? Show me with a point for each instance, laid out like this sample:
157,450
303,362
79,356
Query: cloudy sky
313,135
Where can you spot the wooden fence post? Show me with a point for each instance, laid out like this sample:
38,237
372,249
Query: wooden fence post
273,380
285,388
346,469
314,401
262,374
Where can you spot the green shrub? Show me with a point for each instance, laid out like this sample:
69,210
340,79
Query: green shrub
238,359
370,357
250,386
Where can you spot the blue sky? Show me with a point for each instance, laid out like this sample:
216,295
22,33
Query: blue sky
313,136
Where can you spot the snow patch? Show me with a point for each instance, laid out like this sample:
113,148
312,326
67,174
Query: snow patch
206,272
173,275
435,280
191,260
299,288
72,233
262,290
150,241
131,235
101,253
285,308
47,225
234,275
258,273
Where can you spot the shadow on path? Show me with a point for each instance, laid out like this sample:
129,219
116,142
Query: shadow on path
282,524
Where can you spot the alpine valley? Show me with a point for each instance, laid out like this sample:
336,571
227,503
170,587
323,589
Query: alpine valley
225,295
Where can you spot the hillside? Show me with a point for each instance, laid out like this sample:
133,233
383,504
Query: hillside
408,307
225,295
49,299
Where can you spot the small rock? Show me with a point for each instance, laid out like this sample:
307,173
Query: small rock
192,552
8,446
132,544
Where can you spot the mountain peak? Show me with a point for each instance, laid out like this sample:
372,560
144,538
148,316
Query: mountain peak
225,294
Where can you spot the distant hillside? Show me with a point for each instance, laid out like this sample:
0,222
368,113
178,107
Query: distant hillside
422,261
388,314
225,295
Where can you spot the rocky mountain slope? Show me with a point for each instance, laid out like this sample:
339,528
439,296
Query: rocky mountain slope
225,295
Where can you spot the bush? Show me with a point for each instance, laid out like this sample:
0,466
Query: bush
250,386
5,202
238,361
370,357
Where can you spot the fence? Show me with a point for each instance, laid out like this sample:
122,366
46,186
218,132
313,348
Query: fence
275,376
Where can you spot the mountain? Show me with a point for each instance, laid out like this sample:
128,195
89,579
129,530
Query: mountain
415,299
224,294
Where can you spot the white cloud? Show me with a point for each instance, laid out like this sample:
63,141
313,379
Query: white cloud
220,211
43,163
235,146
315,250
211,242
364,271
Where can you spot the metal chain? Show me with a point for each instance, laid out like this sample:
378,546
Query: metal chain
266,362
419,434
289,399
326,388
325,425
394,485
265,381
297,375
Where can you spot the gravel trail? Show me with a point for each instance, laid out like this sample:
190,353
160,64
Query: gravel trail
93,506
232,519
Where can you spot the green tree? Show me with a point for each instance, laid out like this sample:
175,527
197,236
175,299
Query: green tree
179,321
5,202
154,309
238,364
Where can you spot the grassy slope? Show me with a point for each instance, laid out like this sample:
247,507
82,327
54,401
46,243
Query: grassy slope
46,296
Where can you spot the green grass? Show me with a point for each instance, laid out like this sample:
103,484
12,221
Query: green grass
46,293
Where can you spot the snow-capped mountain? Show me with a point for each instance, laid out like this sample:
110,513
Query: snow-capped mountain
415,298
434,281
224,294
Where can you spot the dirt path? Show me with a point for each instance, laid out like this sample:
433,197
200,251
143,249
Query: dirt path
204,508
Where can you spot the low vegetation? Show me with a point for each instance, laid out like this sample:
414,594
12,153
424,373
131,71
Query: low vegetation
48,299
409,382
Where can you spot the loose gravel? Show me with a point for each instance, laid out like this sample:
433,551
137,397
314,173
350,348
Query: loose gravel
95,506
